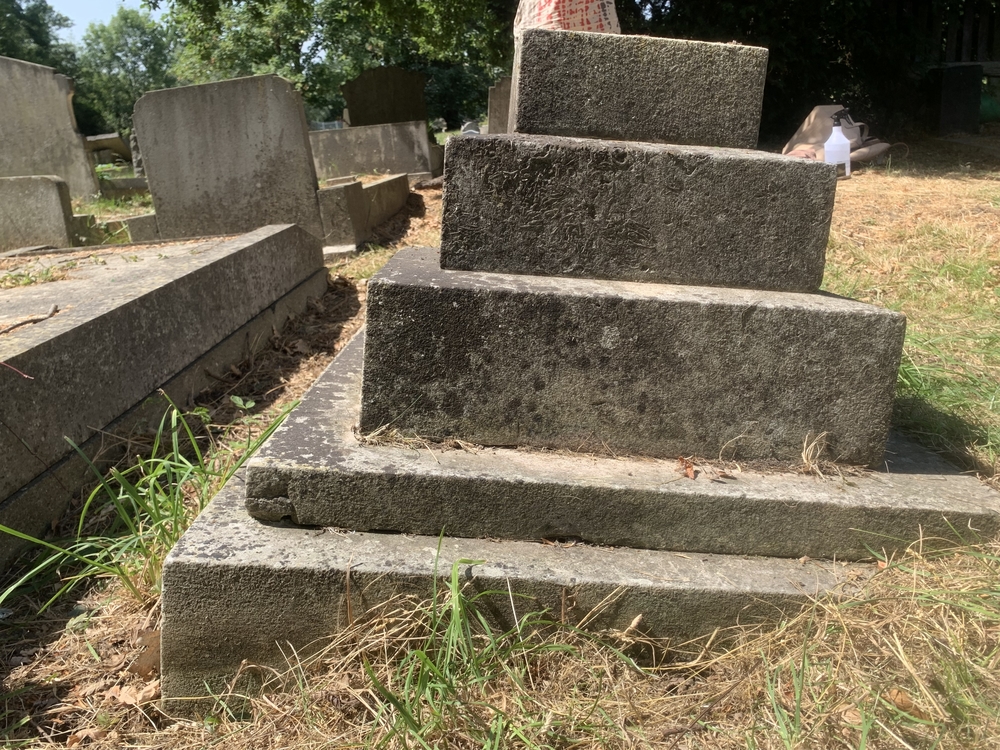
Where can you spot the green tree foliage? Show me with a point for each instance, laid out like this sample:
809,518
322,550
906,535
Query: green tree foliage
461,45
119,62
28,31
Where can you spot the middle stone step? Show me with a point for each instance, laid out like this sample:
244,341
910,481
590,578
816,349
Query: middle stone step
654,369
636,212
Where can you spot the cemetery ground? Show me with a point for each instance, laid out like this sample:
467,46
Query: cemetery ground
905,658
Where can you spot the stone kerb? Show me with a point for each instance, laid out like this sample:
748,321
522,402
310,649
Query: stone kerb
35,211
38,134
637,212
636,88
228,157
648,369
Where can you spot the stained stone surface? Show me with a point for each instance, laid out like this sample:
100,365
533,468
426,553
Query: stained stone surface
126,325
637,212
315,471
650,369
639,88
228,157
236,590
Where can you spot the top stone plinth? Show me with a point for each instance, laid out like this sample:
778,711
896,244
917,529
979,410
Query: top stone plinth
637,88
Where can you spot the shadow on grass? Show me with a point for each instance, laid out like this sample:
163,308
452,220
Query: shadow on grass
945,433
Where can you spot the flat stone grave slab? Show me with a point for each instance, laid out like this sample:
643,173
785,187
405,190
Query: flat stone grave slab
651,369
315,471
638,88
239,591
127,319
637,212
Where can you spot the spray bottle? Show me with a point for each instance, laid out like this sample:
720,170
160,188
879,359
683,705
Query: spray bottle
837,149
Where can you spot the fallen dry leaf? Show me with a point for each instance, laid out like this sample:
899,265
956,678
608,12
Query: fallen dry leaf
147,663
687,468
93,733
905,703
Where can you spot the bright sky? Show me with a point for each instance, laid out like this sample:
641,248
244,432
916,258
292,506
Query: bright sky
86,12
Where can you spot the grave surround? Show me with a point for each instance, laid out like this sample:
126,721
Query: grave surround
693,554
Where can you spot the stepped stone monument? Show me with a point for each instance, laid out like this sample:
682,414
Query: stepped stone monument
621,298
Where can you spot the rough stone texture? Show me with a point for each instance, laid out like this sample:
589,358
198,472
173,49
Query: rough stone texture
35,211
316,472
143,228
38,134
638,88
235,589
653,369
35,506
638,212
498,114
228,157
384,95
380,149
126,327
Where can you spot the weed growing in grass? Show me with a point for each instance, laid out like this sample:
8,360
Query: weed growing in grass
133,518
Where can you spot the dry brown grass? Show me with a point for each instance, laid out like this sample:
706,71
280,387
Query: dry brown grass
908,659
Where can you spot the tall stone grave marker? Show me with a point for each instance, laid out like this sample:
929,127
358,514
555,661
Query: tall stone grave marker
387,94
499,106
38,134
228,157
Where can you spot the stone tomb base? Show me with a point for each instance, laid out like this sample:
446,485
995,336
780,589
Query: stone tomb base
314,471
236,588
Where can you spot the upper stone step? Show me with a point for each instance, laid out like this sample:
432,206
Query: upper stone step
556,206
653,369
638,88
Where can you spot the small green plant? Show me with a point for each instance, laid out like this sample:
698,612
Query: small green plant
132,519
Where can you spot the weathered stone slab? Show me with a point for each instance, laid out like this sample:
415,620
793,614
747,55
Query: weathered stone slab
652,369
373,149
385,199
235,589
637,212
498,114
315,471
34,507
35,211
143,228
124,328
228,157
345,212
385,95
38,134
638,88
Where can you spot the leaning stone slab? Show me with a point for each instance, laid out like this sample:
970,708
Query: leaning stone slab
35,211
123,328
373,149
499,106
653,369
637,212
315,471
638,88
38,133
228,157
237,591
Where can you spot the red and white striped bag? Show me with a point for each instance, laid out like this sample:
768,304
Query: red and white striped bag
567,15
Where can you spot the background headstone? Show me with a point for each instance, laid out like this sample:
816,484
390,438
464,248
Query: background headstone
34,211
499,106
386,94
38,134
228,157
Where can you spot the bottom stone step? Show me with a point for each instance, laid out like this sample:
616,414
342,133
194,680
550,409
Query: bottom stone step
236,589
